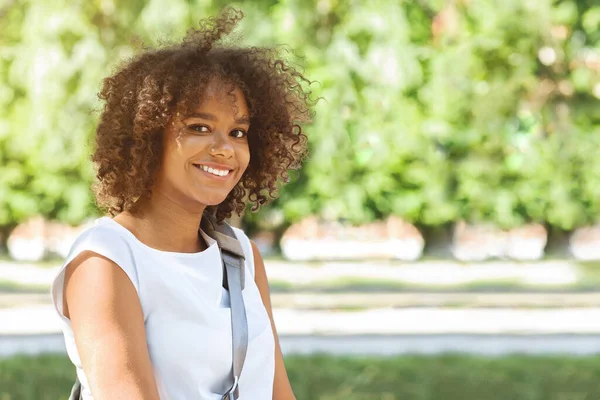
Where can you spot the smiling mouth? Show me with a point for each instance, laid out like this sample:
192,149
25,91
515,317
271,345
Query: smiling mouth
214,172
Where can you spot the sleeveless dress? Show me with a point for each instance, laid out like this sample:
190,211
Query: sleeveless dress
186,315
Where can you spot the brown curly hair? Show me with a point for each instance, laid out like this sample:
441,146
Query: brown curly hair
147,90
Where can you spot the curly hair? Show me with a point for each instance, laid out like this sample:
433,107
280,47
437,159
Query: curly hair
149,89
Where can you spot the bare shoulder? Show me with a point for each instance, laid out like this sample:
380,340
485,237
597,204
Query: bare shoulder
108,324
90,278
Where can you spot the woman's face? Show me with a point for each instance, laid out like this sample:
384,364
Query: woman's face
206,153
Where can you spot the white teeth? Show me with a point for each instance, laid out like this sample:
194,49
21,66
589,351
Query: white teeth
214,171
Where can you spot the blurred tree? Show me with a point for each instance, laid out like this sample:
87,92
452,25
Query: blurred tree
432,110
53,56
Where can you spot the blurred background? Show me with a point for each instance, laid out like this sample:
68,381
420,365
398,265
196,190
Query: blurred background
442,240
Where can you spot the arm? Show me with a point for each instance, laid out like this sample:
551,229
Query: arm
108,325
282,389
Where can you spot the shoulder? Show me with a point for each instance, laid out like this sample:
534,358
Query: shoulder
101,257
103,232
111,244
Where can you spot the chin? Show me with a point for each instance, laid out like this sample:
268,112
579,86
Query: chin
212,200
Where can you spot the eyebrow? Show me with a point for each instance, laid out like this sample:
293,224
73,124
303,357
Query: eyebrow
212,117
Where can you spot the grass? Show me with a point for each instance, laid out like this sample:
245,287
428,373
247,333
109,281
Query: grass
14,287
589,275
320,377
340,285
50,262
588,283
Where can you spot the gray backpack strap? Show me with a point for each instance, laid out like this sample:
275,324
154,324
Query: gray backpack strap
233,258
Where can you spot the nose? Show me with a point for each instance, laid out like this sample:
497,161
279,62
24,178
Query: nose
221,146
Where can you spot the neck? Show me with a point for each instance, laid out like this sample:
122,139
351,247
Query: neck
163,224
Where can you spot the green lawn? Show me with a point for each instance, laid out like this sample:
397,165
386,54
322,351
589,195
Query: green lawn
446,377
14,287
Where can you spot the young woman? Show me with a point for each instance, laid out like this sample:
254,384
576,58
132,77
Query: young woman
186,130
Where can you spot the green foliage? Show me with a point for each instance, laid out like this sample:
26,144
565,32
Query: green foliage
439,112
448,377
42,378
431,110
53,57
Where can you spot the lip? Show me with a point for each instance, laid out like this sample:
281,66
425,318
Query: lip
216,166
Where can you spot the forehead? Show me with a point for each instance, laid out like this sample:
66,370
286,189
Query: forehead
222,96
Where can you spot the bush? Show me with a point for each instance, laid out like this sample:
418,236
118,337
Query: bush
433,111
447,377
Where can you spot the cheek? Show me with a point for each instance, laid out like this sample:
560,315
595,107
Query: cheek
172,148
171,161
244,157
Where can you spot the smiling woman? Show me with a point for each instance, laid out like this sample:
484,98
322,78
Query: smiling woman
189,132
163,89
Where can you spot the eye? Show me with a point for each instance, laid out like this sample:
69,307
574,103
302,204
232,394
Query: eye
238,133
199,128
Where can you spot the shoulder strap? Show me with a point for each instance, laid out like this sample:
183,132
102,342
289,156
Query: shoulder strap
233,258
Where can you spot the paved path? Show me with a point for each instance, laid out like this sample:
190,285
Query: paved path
38,319
441,273
424,321
444,273
28,324
27,274
490,345
371,345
